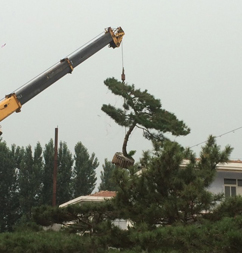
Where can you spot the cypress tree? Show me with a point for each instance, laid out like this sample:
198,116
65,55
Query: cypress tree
107,183
9,211
64,174
47,190
84,180
30,179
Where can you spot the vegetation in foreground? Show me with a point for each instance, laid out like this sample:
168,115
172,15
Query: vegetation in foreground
169,207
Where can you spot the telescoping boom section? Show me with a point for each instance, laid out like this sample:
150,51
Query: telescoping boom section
14,101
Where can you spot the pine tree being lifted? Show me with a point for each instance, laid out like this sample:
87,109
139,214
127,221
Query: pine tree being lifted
142,110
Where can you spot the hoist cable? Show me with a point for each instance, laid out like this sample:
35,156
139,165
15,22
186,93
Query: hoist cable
123,79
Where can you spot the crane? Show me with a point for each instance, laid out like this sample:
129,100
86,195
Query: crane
14,101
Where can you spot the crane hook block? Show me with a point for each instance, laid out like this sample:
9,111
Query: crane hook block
123,76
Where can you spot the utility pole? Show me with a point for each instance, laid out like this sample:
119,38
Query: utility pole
55,167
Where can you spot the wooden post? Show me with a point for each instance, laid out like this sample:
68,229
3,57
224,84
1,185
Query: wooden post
55,167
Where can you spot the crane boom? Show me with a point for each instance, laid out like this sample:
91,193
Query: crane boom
14,101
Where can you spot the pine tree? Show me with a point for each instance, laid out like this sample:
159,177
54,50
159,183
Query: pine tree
107,183
167,192
141,110
9,211
84,171
47,190
64,174
166,203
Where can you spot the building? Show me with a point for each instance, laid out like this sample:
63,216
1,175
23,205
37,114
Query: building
97,197
228,179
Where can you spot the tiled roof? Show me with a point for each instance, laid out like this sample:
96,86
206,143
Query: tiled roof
104,194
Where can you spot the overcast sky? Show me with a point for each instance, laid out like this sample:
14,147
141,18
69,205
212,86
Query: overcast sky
186,53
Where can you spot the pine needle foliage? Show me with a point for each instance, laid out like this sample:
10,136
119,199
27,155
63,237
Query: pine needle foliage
165,203
167,190
142,110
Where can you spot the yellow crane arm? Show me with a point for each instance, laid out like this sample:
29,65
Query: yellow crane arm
9,105
13,102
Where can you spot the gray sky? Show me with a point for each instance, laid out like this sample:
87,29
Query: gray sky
186,53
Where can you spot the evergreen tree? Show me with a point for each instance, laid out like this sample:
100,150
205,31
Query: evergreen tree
107,183
30,179
9,211
64,174
18,154
84,180
230,207
165,202
142,110
39,171
166,191
47,190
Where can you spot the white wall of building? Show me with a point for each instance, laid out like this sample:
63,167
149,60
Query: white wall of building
218,185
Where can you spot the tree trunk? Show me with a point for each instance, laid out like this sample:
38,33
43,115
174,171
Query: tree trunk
126,138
